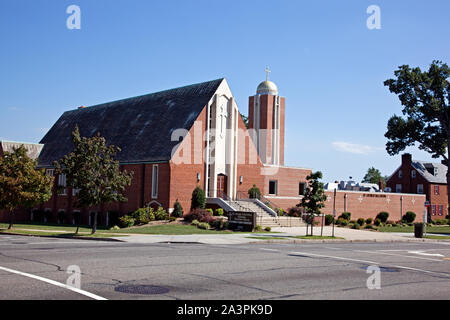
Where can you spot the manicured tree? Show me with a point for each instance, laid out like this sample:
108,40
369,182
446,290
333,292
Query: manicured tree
198,200
91,169
425,96
254,192
314,198
21,184
177,210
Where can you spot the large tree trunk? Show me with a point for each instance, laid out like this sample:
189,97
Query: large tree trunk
94,226
11,219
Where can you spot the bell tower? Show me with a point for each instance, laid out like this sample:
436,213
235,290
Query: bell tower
266,122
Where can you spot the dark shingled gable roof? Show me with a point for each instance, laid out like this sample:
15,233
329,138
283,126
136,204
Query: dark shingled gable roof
140,126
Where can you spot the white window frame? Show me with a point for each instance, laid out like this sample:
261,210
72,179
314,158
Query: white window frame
413,174
62,182
75,192
155,173
420,188
50,172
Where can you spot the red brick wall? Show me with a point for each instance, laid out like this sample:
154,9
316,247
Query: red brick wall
438,200
183,177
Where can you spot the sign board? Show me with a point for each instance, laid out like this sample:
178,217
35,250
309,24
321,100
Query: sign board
241,220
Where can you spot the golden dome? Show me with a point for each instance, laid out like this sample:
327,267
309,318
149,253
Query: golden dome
267,87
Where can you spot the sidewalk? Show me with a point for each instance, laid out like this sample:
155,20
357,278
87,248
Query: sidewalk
348,235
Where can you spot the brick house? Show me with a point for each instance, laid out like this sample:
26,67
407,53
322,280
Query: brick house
178,139
421,177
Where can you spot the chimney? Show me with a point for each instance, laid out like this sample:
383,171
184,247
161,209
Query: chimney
381,185
406,159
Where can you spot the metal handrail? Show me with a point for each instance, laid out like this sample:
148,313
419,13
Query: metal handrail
225,197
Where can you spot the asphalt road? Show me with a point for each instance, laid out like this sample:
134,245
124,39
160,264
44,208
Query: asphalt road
36,268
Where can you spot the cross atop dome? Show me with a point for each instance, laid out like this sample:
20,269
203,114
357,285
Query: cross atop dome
267,73
267,87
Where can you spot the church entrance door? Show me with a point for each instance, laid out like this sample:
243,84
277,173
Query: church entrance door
222,185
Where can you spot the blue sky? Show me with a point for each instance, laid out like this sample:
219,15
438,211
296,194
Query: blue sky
325,61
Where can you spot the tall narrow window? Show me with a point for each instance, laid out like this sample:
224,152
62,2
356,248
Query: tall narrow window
155,182
398,188
301,188
62,183
273,187
400,174
413,174
436,190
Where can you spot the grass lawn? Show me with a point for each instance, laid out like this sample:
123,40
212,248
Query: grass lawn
163,229
58,234
430,229
438,237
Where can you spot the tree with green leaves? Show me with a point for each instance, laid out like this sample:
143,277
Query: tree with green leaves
313,199
21,183
425,97
374,176
245,119
198,200
92,170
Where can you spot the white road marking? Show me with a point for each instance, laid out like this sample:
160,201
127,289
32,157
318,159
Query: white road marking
272,250
333,257
426,254
55,283
397,255
425,271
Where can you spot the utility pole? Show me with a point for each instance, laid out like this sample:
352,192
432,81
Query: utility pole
334,210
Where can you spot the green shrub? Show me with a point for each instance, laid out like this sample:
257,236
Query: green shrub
161,214
268,229
61,217
356,226
254,192
203,225
219,212
211,211
281,212
177,210
172,219
141,216
377,222
369,221
369,227
342,222
440,222
360,221
390,222
198,200
409,217
346,216
329,219
383,216
114,228
127,221
258,228
195,222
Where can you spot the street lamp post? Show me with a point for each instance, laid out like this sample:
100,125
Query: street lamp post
334,210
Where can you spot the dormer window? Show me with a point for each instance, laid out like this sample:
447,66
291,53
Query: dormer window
436,171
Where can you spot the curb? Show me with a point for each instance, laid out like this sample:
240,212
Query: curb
349,241
59,237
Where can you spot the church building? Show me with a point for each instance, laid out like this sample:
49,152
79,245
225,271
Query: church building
181,138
